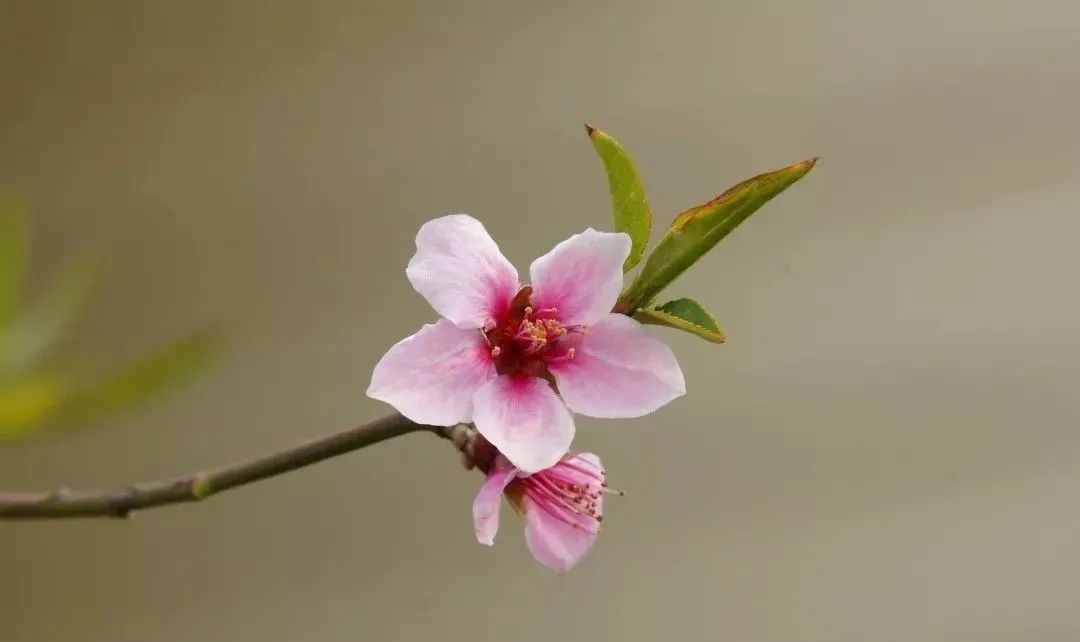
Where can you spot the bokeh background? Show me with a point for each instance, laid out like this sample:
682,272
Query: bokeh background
886,449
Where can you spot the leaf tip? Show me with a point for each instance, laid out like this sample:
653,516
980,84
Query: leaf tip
589,129
806,165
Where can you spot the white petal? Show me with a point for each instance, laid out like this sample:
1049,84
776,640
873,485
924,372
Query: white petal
619,370
581,277
459,269
431,377
525,420
488,502
553,542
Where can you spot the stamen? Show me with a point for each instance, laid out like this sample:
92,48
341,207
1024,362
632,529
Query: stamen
578,499
566,356
552,327
559,515
612,491
495,352
563,491
556,499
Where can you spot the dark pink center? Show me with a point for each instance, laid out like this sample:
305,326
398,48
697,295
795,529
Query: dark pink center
526,340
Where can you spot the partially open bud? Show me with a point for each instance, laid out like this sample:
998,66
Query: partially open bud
562,507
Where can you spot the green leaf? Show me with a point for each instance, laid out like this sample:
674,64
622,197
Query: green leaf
27,402
697,230
684,314
142,379
12,253
40,327
632,213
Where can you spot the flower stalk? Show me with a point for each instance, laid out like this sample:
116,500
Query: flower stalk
121,502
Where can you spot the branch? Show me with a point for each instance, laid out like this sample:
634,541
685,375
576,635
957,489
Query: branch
120,502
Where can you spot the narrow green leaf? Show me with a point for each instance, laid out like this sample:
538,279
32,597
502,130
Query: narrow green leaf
142,379
631,210
697,230
12,253
41,326
683,314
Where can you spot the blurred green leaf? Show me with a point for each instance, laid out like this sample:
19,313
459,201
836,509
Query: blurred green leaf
632,213
12,253
142,379
28,397
684,314
696,231
27,402
37,329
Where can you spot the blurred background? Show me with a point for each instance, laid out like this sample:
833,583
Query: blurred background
885,449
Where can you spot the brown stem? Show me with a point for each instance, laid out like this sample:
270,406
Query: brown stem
120,502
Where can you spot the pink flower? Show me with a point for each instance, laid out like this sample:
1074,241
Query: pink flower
499,350
562,506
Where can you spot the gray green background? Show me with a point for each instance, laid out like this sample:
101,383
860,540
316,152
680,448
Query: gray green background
886,449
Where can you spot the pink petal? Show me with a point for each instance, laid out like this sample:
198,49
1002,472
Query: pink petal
525,420
619,370
559,535
431,377
554,542
486,506
585,470
461,273
581,277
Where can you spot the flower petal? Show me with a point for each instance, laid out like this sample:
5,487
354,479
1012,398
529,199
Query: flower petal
485,508
459,269
556,536
585,470
554,542
619,370
431,377
581,277
525,420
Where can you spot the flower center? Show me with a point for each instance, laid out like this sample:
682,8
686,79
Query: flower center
528,339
